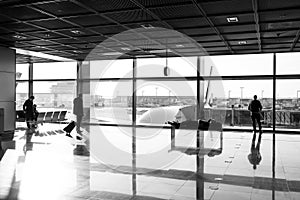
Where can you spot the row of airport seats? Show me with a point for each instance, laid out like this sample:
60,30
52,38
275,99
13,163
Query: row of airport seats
50,116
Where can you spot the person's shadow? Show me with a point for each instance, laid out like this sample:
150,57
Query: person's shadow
255,157
28,146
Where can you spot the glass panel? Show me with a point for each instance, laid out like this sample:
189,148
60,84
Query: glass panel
288,63
111,68
21,94
287,104
111,102
159,101
177,67
22,71
55,70
232,65
230,100
54,95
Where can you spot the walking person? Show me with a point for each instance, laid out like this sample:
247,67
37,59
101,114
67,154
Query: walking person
29,111
255,108
78,111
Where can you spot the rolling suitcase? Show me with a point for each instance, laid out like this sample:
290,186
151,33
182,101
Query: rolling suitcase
69,127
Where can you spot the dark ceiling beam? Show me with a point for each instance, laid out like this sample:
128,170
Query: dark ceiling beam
203,13
265,11
256,19
295,40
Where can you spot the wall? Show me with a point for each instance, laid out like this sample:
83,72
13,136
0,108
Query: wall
7,86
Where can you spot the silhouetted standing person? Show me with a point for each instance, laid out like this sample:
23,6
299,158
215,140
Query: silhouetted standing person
78,111
28,110
255,108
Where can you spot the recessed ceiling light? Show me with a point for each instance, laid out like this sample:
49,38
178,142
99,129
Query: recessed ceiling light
112,53
47,35
19,37
76,32
147,26
125,48
179,45
232,19
145,56
242,42
160,51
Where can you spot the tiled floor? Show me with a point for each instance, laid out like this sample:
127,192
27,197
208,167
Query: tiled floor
46,164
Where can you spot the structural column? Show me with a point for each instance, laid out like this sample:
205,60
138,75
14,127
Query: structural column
7,89
30,87
200,115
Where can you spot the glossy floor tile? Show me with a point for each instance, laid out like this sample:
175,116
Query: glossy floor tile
146,163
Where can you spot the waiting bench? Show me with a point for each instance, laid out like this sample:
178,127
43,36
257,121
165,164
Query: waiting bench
44,117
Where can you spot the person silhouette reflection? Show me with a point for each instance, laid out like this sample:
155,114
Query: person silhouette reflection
255,157
78,111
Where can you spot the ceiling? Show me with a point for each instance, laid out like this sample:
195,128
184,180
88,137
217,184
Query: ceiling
103,29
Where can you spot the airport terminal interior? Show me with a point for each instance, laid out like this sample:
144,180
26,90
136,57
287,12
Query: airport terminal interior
149,100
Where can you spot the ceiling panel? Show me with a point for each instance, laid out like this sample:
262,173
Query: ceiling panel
22,13
63,8
169,12
278,4
187,22
227,7
73,28
89,20
130,16
247,18
109,5
53,24
19,27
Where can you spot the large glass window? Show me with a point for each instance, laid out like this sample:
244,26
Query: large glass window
111,101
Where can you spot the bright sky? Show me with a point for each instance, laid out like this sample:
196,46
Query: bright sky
256,64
